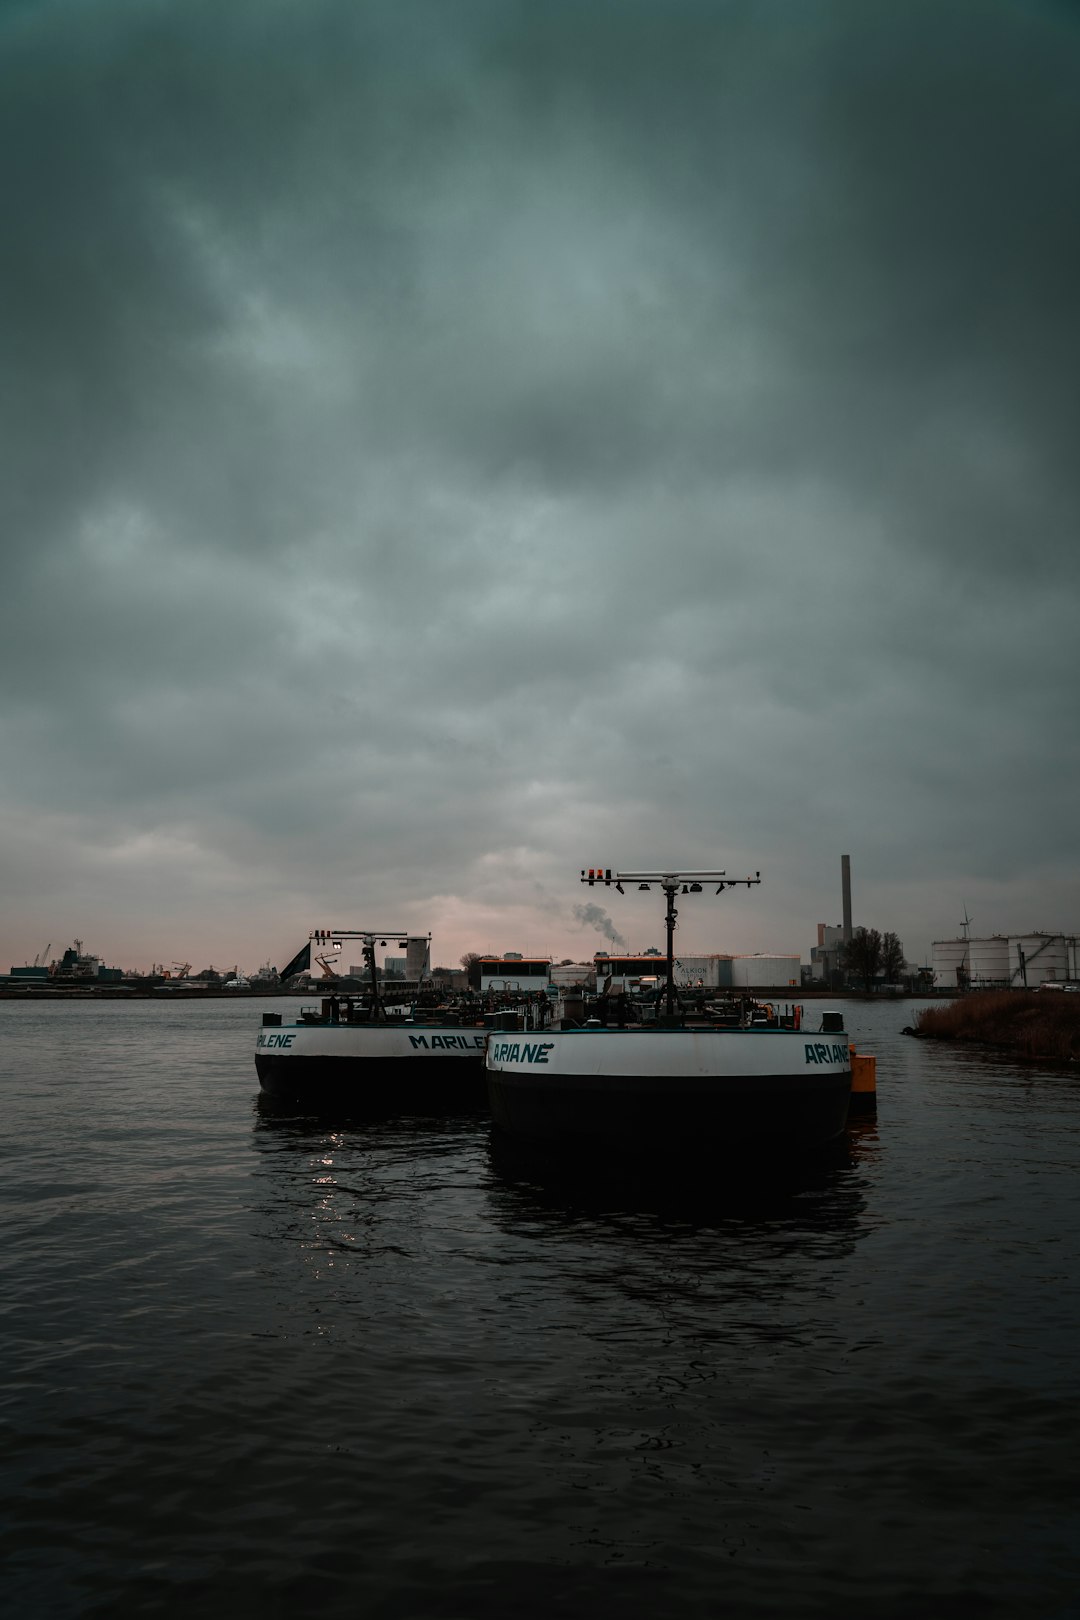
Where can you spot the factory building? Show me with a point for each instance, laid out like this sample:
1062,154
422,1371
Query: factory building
825,955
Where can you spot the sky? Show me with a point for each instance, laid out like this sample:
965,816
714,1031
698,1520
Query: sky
450,443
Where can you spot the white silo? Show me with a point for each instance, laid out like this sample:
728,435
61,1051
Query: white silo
950,959
989,961
1036,959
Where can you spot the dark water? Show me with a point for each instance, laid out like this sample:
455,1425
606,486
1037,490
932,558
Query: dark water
268,1366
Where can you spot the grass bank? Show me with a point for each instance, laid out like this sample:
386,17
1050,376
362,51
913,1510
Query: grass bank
1034,1024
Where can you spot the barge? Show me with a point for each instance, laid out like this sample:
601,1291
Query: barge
355,1050
717,1084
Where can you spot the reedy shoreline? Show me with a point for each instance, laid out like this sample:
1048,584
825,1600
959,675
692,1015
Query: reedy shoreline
1027,1023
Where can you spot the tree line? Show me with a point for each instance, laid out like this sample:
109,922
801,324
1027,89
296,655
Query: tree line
869,955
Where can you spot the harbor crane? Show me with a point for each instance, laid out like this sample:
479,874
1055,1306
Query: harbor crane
42,957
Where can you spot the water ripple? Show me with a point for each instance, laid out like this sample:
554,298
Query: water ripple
330,1367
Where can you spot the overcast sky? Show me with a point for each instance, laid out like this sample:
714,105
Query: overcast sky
448,444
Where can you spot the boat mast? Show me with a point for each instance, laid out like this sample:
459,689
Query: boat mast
367,951
669,886
333,937
672,884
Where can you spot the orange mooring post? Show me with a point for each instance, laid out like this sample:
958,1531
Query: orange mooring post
863,1083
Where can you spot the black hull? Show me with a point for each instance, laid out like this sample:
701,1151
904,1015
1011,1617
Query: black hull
372,1084
707,1117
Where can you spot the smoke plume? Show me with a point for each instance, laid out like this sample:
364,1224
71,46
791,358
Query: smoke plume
596,917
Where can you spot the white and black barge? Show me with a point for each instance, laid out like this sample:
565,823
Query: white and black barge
688,1087
360,1051
718,1086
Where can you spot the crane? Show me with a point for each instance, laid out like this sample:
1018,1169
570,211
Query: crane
42,958
184,969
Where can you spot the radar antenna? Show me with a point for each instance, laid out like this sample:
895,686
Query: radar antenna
672,883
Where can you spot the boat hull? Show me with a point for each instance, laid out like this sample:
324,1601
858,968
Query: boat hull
710,1093
371,1067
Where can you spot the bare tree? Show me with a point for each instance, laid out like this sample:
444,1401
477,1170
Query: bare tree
471,963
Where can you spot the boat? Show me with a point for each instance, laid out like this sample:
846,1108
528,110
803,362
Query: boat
361,1049
716,1080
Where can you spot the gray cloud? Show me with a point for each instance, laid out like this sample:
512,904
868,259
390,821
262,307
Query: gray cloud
439,441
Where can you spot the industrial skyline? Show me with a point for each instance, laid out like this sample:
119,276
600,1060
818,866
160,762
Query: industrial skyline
960,961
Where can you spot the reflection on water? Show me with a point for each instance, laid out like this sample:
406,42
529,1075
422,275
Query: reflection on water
339,1172
374,1115
822,1192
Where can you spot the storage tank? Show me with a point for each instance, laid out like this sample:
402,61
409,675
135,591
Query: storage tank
951,959
766,972
703,970
1037,959
418,958
989,960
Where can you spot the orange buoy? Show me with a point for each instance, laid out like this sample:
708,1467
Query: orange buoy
863,1083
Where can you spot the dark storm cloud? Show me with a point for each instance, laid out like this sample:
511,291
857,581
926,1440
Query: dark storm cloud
447,429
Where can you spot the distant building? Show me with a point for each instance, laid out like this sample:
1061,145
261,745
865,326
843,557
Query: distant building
632,973
446,978
765,971
572,975
514,972
759,971
418,958
825,955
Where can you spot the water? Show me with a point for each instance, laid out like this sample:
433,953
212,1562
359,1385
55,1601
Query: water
259,1365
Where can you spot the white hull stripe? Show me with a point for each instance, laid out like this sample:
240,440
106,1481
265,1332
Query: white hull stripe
369,1044
721,1054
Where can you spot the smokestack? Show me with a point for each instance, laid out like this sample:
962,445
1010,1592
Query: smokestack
845,879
